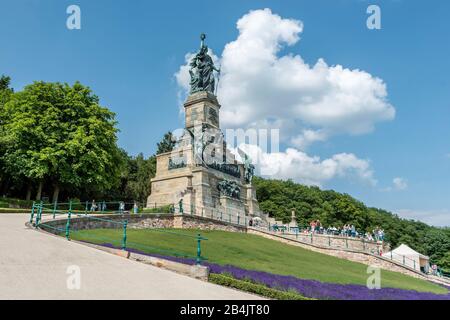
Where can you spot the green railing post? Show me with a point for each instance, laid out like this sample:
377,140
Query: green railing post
199,249
221,216
229,217
124,237
180,206
32,212
238,218
346,243
40,211
39,214
86,208
55,205
69,214
269,226
403,259
296,233
36,220
311,237
329,241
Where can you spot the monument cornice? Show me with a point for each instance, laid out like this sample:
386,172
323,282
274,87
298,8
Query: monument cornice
201,97
173,176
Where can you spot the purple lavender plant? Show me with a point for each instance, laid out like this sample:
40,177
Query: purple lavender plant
307,288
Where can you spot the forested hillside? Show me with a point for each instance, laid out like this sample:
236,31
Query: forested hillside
279,198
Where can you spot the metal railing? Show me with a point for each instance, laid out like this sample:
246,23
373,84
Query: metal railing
304,235
229,216
39,209
404,260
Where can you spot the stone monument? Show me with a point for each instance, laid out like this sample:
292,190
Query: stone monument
200,171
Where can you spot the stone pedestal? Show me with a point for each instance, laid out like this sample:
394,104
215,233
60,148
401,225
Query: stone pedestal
232,206
202,108
251,204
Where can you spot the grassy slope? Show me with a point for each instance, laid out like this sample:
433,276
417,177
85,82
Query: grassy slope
257,253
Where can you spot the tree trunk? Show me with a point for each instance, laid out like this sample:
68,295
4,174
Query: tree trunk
55,193
39,191
28,197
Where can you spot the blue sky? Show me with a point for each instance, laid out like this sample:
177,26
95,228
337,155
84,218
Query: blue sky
129,51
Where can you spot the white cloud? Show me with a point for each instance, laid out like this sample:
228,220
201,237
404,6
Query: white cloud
307,137
439,218
297,165
399,183
261,88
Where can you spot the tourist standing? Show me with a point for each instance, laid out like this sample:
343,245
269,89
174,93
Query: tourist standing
93,206
121,206
313,226
381,235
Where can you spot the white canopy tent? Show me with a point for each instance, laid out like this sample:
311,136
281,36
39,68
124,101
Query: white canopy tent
409,257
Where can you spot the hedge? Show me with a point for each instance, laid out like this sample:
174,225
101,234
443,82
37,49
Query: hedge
14,210
255,288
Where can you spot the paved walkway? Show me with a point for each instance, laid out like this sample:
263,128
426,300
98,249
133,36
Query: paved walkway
33,265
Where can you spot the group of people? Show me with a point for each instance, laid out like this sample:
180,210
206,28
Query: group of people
377,234
96,207
348,230
254,222
102,207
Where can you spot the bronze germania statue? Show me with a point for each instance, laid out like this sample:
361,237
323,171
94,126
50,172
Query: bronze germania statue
202,70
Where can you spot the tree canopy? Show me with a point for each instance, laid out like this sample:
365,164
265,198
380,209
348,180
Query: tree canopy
5,94
59,134
166,144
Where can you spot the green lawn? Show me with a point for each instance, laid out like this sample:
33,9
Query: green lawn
257,253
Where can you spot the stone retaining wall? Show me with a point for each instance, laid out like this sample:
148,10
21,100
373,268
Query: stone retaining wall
338,242
203,223
139,221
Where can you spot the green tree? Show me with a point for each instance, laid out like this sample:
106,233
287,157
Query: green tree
140,171
5,94
167,143
59,134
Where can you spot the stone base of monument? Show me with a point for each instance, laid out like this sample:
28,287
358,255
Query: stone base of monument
231,206
251,205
